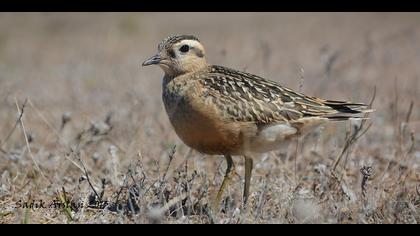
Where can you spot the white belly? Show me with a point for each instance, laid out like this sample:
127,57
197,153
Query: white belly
279,136
271,138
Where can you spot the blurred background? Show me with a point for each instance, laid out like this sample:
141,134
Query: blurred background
87,67
89,63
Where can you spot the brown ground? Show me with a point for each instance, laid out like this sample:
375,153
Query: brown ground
85,67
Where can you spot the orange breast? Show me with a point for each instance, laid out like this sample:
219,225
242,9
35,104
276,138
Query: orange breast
205,132
200,125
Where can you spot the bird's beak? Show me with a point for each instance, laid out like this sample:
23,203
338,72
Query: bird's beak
152,61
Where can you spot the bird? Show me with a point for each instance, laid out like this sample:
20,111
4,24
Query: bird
217,110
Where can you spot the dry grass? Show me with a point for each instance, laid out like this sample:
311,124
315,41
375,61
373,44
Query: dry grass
93,130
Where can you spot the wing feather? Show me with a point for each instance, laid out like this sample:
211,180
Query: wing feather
246,97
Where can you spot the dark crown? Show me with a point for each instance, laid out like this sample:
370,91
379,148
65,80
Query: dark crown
169,41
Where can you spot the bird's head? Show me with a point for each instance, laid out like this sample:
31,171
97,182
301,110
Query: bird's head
178,55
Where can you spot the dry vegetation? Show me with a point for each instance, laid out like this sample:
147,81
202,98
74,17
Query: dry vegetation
93,129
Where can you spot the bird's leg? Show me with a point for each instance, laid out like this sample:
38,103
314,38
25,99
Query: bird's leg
230,170
248,173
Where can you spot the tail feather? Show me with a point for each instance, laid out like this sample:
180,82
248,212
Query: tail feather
347,110
341,118
348,107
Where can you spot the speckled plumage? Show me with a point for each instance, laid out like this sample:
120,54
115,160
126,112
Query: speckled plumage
218,110
245,104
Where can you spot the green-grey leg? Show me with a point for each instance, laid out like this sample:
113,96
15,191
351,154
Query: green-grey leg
230,170
248,173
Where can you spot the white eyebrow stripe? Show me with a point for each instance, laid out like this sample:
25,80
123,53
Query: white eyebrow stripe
191,43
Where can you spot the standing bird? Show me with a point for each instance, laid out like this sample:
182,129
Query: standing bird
221,111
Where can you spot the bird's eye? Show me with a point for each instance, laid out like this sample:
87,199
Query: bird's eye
184,48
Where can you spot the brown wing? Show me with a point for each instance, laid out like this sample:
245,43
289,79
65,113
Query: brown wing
246,97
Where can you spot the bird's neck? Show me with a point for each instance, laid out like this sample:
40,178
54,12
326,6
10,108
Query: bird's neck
171,74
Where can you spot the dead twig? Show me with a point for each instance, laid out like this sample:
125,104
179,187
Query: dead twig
295,159
410,110
124,185
88,179
404,127
301,79
366,171
331,60
27,140
411,147
15,125
397,119
358,132
171,156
